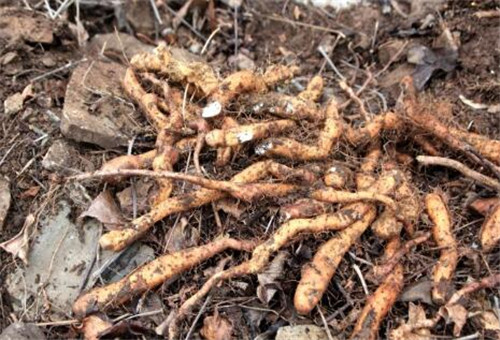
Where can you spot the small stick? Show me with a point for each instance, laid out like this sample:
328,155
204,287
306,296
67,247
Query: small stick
382,270
450,163
343,85
487,282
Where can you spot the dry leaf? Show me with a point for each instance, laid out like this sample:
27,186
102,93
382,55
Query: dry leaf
489,321
144,191
268,277
181,237
456,314
31,192
19,244
105,210
216,328
420,291
230,206
94,325
415,328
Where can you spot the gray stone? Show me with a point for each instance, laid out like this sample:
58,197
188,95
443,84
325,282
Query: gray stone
22,331
13,104
4,200
301,332
61,158
94,108
118,44
60,256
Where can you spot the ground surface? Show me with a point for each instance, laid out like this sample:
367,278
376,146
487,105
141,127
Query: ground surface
268,32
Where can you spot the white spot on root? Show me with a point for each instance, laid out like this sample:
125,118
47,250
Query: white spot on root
289,108
257,107
332,169
245,136
211,110
262,148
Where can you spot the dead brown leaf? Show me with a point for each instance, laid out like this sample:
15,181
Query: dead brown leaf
104,209
456,314
416,328
269,277
230,206
93,326
181,236
216,328
19,244
420,291
31,192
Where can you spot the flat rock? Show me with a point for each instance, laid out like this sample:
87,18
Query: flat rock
60,256
117,45
4,199
23,24
13,104
301,332
22,331
118,265
61,158
94,109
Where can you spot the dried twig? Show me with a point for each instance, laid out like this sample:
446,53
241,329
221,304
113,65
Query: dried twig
450,163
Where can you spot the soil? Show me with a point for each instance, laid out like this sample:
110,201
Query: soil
267,33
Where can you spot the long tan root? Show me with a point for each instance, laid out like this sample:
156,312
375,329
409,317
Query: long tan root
334,196
317,274
490,231
444,269
379,272
179,67
262,253
246,133
301,107
372,129
294,150
303,208
119,239
381,301
152,274
224,154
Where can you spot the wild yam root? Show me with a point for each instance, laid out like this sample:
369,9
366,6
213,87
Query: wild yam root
444,269
151,275
381,301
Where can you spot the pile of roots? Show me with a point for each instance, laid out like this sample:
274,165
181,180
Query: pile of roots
290,147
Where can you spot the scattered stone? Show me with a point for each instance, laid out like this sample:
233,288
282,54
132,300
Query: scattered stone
23,24
13,104
117,45
4,200
389,49
140,17
8,57
22,331
48,61
94,111
242,62
59,258
336,4
61,158
301,332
